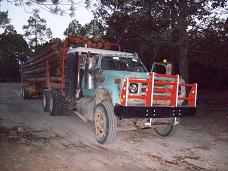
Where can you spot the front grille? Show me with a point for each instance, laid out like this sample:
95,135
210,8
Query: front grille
165,91
142,88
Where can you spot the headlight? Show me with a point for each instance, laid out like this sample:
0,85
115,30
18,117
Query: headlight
133,88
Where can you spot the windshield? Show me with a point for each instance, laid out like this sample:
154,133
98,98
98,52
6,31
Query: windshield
122,64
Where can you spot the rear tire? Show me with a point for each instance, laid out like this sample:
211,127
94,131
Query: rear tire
105,123
47,97
58,104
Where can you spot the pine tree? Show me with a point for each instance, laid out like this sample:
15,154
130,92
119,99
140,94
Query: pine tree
73,28
4,20
36,31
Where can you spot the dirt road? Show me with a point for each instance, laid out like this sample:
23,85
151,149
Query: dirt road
31,139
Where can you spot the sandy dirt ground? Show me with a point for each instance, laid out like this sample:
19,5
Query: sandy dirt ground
31,139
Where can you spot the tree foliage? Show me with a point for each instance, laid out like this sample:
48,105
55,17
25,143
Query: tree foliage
208,54
156,29
4,20
92,29
73,28
13,51
54,6
36,31
9,30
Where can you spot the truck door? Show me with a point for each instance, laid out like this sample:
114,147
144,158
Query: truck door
72,77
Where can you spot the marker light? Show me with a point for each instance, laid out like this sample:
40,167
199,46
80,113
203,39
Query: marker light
165,60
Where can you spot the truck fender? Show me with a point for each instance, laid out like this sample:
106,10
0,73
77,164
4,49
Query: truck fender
102,94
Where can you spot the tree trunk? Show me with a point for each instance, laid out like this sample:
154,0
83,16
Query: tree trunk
183,57
183,41
36,39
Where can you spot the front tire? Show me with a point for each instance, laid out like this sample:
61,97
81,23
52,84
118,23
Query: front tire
47,97
58,104
105,123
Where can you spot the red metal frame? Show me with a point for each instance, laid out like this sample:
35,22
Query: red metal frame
64,56
47,73
171,88
192,95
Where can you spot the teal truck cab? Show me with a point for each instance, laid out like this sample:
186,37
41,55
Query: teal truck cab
108,87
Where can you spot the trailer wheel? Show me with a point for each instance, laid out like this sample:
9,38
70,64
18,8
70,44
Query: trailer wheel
58,104
105,123
47,97
25,92
166,126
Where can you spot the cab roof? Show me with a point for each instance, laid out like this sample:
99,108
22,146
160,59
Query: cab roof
102,52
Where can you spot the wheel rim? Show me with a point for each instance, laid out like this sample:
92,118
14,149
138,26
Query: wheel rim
100,124
164,126
44,100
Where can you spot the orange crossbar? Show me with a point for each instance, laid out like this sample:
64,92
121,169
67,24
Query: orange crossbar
161,90
136,97
164,75
189,85
163,82
161,97
138,81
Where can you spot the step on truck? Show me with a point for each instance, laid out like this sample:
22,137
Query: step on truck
110,88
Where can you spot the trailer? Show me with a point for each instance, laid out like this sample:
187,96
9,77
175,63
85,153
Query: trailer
45,71
107,87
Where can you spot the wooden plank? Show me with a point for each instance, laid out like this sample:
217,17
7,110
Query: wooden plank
41,60
53,47
41,79
34,71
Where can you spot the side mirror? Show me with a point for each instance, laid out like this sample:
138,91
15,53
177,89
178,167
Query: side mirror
94,71
99,78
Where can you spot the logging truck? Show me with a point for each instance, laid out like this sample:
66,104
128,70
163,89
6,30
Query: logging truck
107,87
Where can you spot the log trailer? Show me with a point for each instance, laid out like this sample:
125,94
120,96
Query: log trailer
107,87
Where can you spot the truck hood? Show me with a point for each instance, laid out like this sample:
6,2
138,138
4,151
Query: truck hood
112,75
124,74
